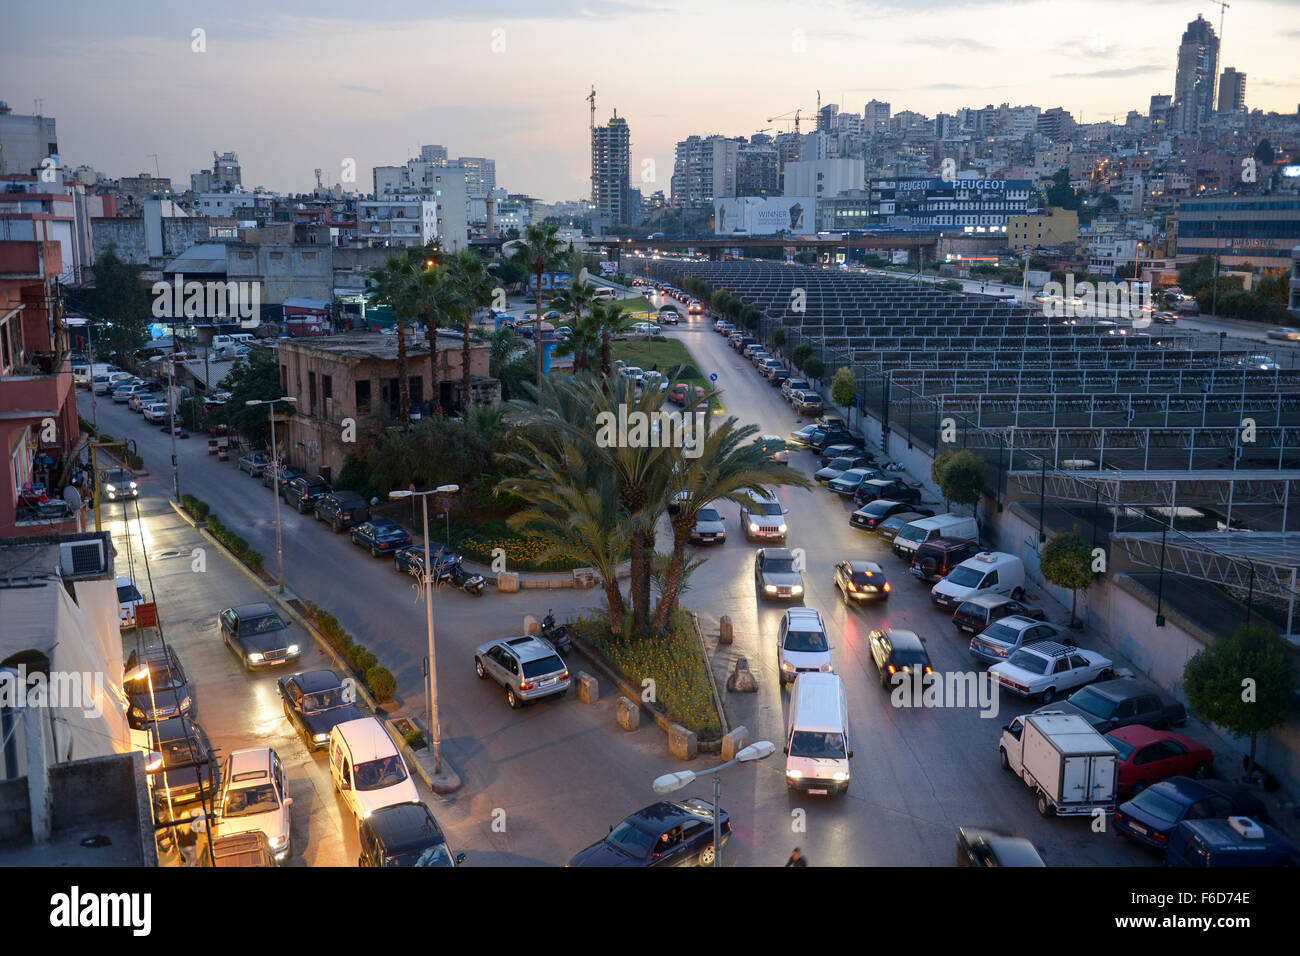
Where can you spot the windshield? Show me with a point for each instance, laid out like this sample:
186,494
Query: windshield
778,566
322,700
631,839
1090,702
260,625
436,855
126,593
806,642
707,514
910,656
543,666
117,474
250,801
178,751
1159,806
841,464
1125,749
377,774
857,474
999,633
966,577
1026,661
772,508
877,507
863,577
819,746
911,534
163,679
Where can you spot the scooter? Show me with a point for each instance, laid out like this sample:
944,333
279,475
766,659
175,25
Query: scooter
473,583
556,634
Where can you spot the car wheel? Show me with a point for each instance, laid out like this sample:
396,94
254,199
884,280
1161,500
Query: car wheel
1202,771
1107,674
478,669
1004,759
335,527
513,699
929,567
707,856
1018,594
1048,695
374,552
1044,807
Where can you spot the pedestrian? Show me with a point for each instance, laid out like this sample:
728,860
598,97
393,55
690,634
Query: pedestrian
796,859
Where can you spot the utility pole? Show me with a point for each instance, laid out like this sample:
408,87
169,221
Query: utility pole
156,170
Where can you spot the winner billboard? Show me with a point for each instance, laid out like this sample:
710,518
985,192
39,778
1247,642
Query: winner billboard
765,215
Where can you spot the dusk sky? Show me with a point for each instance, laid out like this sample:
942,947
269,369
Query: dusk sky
292,86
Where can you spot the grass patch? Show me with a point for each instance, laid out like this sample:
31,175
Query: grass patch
667,355
674,661
638,304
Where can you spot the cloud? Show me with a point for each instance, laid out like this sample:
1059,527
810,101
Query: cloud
950,43
370,90
1115,73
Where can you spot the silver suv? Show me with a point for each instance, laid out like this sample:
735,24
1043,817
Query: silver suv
802,644
527,667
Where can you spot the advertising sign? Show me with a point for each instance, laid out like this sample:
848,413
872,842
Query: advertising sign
765,215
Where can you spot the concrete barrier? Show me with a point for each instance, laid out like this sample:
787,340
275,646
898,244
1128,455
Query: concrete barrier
682,743
734,742
532,626
629,714
725,632
588,688
742,679
584,577
508,582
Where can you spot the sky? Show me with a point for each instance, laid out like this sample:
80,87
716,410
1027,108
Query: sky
293,86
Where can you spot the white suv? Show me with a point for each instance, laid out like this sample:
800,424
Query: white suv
766,519
802,645
253,797
155,412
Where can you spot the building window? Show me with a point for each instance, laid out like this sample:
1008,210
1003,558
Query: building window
284,378
311,392
327,387
363,395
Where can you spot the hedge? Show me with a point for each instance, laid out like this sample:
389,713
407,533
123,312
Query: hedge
378,678
201,512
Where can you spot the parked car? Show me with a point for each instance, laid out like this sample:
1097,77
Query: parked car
802,644
807,403
837,467
382,536
254,797
128,599
342,509
1044,668
1147,756
237,850
258,635
527,667
183,771
978,846
255,463
825,435
302,492
861,581
1151,816
156,687
766,519
680,394
999,640
893,489
287,474
778,375
799,437
989,572
141,400
1121,702
155,413
849,482
405,834
367,769
411,559
888,529
1237,842
662,834
792,385
937,557
314,701
775,448
870,515
122,393
895,651
973,616
849,448
646,329
775,575
709,527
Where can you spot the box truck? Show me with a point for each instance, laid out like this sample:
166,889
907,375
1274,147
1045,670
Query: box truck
1070,766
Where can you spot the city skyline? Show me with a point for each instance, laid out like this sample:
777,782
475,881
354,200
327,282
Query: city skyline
366,108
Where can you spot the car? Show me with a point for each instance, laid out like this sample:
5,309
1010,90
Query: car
680,394
128,599
894,489
849,482
411,559
118,484
1147,756
999,640
255,463
156,413
723,326
838,466
668,833
669,316
404,835
695,307
1259,361
155,686
342,509
980,846
122,393
871,515
1165,317
849,448
766,519
973,616
709,526
382,536
1121,702
236,850
646,328
778,375
861,581
989,572
824,435
799,437
302,492
775,575
1044,668
792,385
527,667
888,529
802,644
254,797
287,474
181,765
258,635
807,403
775,448
1236,842
1151,816
936,558
314,702
367,769
752,350
140,400
1285,333
896,651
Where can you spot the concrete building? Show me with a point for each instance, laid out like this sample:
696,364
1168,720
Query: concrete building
1107,256
1160,112
34,210
26,141
235,204
162,231
704,169
447,183
134,190
977,205
401,222
354,376
758,169
875,117
1194,79
1232,91
1260,230
1054,227
1056,124
611,164
824,178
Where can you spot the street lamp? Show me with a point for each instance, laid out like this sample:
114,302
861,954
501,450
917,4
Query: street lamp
275,479
681,778
428,612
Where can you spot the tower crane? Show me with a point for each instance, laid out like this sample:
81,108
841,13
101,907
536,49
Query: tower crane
783,116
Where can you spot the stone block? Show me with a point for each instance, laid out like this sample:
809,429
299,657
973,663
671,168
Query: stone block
629,714
508,582
725,633
532,626
682,743
588,688
741,680
734,742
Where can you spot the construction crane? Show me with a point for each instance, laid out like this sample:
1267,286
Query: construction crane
1223,9
591,98
784,116
765,129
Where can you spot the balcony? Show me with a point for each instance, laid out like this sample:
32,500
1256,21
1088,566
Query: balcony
38,388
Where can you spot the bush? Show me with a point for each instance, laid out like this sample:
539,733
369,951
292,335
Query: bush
814,367
361,658
381,682
801,353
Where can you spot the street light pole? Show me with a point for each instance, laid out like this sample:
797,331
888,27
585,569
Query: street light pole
275,483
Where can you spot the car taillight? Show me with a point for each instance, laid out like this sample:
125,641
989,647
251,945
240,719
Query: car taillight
564,676
892,670
525,686
929,669
886,587
1160,838
852,586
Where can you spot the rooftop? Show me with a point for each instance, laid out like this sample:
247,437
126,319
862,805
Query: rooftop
374,345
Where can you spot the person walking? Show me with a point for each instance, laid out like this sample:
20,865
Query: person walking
796,859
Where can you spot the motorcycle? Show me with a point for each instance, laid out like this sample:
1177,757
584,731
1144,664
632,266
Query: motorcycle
556,634
459,577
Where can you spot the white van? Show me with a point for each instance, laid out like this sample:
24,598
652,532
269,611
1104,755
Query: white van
912,536
367,768
989,572
817,745
604,292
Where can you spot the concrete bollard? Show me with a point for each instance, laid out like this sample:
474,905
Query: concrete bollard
742,680
532,626
725,633
508,582
588,688
734,742
584,577
629,714
682,743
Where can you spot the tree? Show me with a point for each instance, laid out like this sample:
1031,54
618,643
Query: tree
258,378
814,367
777,340
397,284
844,389
1067,562
473,285
802,352
1244,683
960,477
542,252
121,305
1061,193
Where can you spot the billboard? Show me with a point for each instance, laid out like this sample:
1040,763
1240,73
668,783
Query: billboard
764,215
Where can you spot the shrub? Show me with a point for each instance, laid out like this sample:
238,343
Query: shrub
361,658
1067,563
814,367
381,682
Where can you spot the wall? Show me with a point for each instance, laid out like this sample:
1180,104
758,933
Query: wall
285,270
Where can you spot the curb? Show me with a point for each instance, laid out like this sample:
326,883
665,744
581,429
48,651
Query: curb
448,781
713,685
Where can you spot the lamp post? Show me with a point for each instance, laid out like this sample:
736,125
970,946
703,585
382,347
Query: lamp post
428,612
1160,582
275,481
675,781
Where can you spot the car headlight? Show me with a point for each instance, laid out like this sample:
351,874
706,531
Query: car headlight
365,814
255,657
797,589
794,774
840,776
753,527
320,738
293,649
185,704
110,488
133,486
827,668
769,588
787,666
137,712
280,844
781,528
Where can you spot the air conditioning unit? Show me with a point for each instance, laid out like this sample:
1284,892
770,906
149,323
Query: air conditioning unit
77,558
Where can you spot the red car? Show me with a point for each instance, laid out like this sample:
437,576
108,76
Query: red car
1148,756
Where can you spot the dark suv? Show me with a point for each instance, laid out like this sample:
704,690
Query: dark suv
971,617
934,559
303,491
1122,702
833,435
894,489
342,509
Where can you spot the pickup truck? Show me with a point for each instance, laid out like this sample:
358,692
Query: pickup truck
1071,767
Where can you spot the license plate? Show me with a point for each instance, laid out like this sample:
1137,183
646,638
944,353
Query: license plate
823,792
1139,829
963,627
916,572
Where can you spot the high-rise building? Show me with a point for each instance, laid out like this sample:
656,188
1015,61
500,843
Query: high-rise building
611,161
704,169
1161,108
480,175
1056,124
826,118
1232,91
1198,65
25,141
226,173
758,168
875,117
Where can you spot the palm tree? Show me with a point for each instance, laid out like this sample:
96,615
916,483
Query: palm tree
577,298
473,286
437,303
608,319
541,251
395,285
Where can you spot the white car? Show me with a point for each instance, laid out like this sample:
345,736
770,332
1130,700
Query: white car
1285,333
156,412
646,328
128,598
367,768
254,797
802,645
1044,669
709,526
1264,362
766,520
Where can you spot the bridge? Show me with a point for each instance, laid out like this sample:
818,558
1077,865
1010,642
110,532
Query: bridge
715,244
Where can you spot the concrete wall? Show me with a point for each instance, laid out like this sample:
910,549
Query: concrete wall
285,270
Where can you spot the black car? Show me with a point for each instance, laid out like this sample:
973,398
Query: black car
342,509
411,560
894,489
156,687
303,491
870,515
934,559
845,449
895,650
258,635
404,835
662,834
1151,816
287,474
183,771
822,437
978,846
314,701
1117,703
381,536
